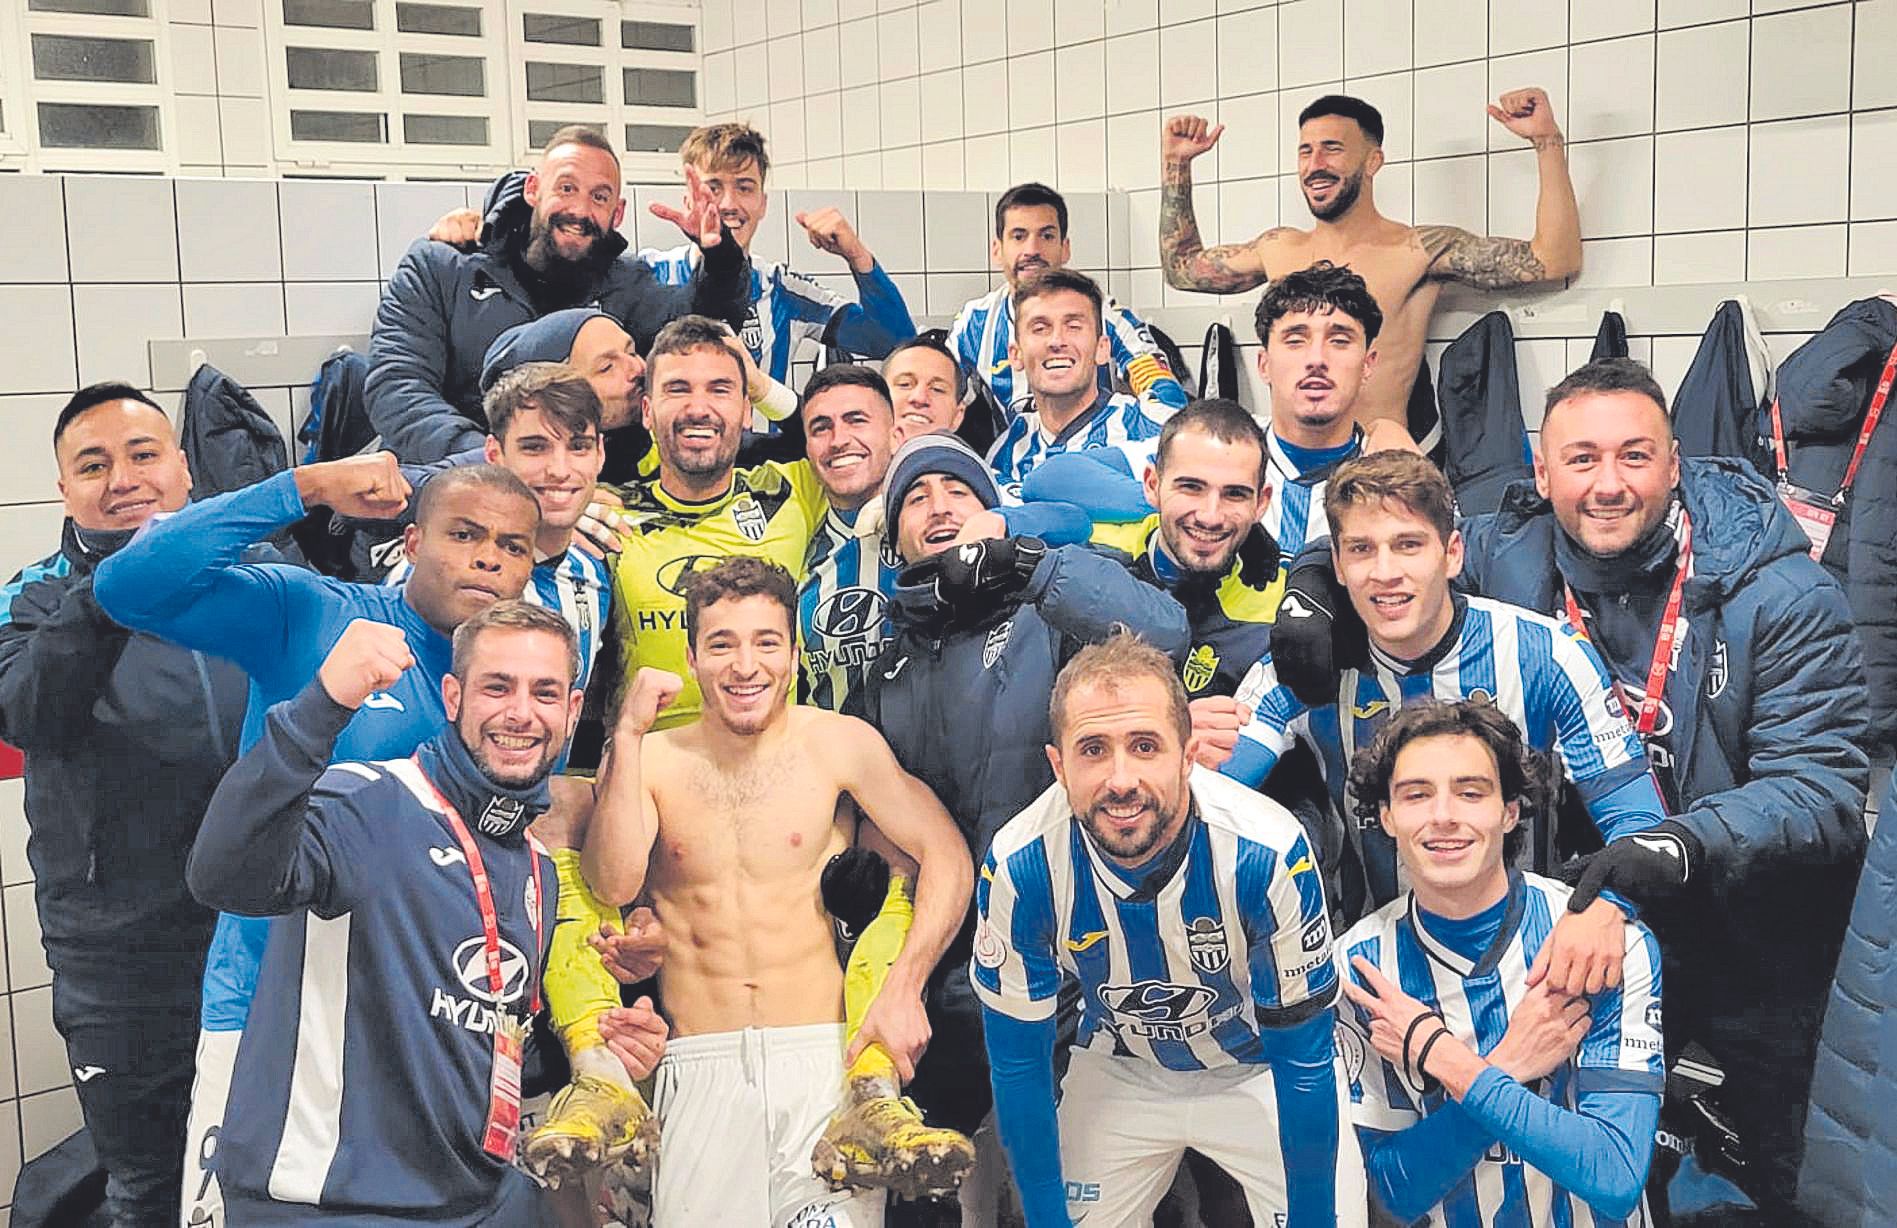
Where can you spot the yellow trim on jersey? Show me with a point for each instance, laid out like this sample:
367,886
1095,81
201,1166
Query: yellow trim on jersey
770,512
1241,602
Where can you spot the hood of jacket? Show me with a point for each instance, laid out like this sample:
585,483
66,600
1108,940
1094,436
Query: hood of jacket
1824,385
1739,525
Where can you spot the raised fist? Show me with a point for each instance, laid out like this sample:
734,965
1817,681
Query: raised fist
1527,113
367,487
831,232
1185,137
457,228
367,657
651,692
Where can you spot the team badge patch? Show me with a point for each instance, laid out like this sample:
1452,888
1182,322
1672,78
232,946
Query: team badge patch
1317,935
990,949
1201,667
750,518
997,640
501,816
1718,671
1205,940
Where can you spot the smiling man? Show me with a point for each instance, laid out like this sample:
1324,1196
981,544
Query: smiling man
1057,347
184,580
728,821
551,243
928,387
1030,240
1187,912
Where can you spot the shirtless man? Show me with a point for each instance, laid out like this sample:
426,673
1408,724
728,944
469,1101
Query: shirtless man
1340,150
726,823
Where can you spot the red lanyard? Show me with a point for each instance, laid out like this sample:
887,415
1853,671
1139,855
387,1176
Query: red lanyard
484,898
1871,416
1663,647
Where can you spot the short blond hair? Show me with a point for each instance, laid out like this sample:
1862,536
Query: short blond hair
1122,657
513,615
725,147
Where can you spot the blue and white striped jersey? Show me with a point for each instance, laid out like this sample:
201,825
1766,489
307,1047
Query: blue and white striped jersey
843,604
1621,1052
1115,421
576,584
1294,515
789,309
1235,942
1540,673
984,326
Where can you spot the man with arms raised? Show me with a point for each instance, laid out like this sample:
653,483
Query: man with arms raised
184,580
1031,239
1340,150
1058,347
552,247
1187,911
727,822
1491,1097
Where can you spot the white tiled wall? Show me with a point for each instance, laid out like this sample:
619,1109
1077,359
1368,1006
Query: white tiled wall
1713,140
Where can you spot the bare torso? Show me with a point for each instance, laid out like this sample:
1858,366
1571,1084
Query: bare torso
1391,259
734,875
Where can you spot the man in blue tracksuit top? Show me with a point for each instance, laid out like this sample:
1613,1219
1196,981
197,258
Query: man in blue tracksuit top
182,580
415,912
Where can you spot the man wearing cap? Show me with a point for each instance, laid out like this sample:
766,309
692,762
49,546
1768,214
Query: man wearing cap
983,625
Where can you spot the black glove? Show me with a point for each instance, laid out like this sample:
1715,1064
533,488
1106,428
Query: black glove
854,885
1258,558
1645,866
1317,634
990,570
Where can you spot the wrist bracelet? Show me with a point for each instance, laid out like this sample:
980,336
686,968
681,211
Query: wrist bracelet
1409,1034
1423,1078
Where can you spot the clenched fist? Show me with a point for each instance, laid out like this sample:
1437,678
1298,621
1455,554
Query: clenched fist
651,692
367,487
831,232
457,228
368,657
1185,137
1527,113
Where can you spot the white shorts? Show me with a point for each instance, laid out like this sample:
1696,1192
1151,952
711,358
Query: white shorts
739,1114
1125,1123
203,1202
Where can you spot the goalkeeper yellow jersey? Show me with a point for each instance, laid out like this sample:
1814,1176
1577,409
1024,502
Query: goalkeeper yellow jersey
770,512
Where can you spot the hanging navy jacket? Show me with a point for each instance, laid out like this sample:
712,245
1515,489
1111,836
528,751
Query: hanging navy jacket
1849,1179
1716,411
1485,444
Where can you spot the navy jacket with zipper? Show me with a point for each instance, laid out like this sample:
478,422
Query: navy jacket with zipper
444,307
125,737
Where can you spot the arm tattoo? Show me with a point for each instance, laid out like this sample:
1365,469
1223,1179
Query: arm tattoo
1189,264
1479,261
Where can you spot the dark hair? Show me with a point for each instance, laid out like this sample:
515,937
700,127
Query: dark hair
934,340
725,147
1324,287
580,134
1030,196
846,375
1054,281
1222,419
560,393
1121,657
464,477
514,616
734,578
94,395
1408,478
1607,375
1524,774
685,335
1368,117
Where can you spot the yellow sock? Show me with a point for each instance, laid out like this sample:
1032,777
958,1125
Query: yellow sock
868,968
579,989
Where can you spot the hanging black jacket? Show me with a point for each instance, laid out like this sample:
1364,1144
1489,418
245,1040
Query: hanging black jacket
126,737
1716,411
1485,444
230,441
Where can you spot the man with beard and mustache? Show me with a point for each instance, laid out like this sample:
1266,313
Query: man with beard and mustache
552,247
381,1081
1031,239
1187,912
728,822
1340,150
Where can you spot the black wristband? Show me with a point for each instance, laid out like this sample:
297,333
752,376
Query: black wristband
1409,1034
1423,1079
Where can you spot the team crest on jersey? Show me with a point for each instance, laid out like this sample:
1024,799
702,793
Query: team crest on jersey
1718,672
1205,941
890,555
752,334
750,519
1653,1015
1481,696
501,816
997,640
991,950
1201,667
1350,1048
